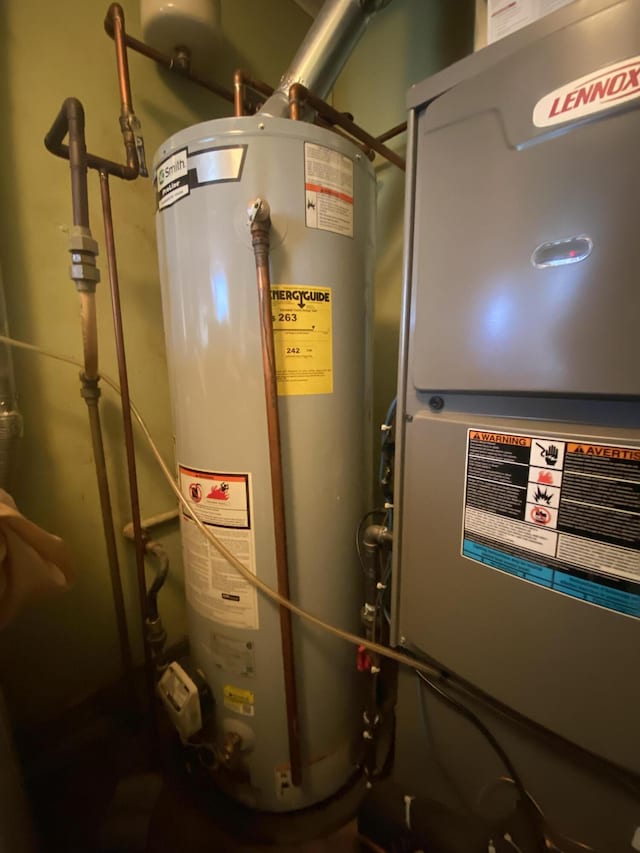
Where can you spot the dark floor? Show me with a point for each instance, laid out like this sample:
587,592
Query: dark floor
101,788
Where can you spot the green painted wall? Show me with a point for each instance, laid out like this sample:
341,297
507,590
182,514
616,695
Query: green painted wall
63,648
405,43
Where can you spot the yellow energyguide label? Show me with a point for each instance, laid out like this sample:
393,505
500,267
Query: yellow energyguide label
239,700
302,337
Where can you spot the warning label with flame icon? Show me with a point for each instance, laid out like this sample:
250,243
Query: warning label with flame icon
561,513
222,502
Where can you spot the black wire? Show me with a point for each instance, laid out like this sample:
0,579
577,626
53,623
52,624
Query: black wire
444,770
534,818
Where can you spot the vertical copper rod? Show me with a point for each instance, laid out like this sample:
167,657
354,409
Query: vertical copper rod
127,421
294,105
117,14
238,93
260,228
298,93
90,392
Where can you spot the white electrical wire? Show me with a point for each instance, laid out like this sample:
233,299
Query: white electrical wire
264,588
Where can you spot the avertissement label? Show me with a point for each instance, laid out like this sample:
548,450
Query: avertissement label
222,501
328,184
302,337
561,514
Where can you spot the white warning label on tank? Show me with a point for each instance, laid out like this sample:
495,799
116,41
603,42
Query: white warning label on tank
222,501
561,513
328,183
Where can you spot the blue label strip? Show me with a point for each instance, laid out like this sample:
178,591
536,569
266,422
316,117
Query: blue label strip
585,590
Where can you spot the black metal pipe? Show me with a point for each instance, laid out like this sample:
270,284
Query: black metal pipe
375,536
156,550
70,120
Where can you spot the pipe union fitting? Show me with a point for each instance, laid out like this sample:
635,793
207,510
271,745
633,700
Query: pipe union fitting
82,243
84,272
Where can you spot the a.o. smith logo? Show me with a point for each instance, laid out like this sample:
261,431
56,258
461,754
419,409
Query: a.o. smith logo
590,94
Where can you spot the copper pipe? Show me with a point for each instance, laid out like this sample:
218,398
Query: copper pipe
91,393
300,94
252,83
238,94
257,85
371,155
294,104
89,324
394,131
116,14
126,419
241,82
167,62
129,124
260,231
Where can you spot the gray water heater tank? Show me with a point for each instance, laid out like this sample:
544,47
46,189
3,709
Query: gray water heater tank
321,191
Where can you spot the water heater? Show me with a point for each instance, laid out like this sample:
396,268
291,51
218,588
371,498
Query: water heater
321,192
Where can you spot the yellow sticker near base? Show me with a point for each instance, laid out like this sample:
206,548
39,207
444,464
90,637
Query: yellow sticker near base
239,700
302,336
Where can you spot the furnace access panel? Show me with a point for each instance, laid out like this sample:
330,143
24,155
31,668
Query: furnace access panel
518,563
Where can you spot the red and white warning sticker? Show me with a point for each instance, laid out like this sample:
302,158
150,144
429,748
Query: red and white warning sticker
221,501
328,184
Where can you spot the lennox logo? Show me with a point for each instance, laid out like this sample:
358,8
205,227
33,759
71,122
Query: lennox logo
590,94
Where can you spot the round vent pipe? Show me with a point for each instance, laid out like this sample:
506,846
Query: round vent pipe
324,51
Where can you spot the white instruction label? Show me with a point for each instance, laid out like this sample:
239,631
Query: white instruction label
222,501
506,16
561,513
233,654
328,182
